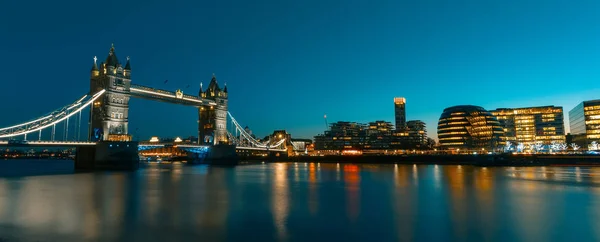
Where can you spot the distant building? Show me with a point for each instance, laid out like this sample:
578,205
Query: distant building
191,139
379,136
249,131
469,127
532,124
376,137
584,121
301,143
400,112
417,131
342,135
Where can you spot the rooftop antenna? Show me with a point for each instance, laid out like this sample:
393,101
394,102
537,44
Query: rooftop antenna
326,125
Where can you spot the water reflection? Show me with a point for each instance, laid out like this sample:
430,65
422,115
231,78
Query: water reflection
280,199
313,196
352,180
294,201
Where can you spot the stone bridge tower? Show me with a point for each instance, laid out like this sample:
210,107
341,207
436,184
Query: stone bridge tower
109,114
212,120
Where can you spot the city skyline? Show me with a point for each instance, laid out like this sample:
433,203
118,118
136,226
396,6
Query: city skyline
320,58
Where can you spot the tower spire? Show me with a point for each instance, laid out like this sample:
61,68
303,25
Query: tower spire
95,66
112,60
127,66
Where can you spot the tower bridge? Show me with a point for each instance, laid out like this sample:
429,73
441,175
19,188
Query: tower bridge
108,98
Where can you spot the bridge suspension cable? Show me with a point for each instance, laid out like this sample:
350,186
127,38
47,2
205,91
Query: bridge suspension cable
249,137
51,119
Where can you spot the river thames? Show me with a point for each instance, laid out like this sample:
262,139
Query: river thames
299,202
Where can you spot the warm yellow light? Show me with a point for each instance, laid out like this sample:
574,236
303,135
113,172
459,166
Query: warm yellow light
178,139
154,139
399,100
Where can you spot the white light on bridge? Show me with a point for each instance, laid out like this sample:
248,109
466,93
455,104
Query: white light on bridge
176,139
154,139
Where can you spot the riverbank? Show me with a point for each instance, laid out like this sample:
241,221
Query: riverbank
476,160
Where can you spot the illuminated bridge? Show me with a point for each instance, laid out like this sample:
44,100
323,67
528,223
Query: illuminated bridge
108,121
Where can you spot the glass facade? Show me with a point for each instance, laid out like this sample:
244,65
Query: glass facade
584,121
532,124
417,131
469,127
577,120
375,137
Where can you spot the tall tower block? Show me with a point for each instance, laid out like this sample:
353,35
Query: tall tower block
212,120
400,112
109,114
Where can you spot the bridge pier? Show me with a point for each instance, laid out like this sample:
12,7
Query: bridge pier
221,154
108,155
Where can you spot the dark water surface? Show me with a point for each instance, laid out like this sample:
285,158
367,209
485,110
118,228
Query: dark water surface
299,202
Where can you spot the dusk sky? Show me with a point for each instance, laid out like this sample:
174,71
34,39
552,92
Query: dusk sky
287,63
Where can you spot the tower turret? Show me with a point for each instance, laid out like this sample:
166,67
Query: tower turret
95,71
127,69
201,93
213,89
111,59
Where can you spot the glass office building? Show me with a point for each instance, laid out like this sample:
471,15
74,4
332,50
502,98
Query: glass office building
584,121
532,124
468,127
417,131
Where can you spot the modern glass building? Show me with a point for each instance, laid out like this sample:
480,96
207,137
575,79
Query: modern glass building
584,121
377,137
468,127
400,112
532,124
417,131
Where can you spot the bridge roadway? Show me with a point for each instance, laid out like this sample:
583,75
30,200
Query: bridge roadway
168,96
46,143
191,145
141,145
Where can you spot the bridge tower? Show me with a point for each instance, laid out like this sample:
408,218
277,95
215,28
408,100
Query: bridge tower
212,120
109,114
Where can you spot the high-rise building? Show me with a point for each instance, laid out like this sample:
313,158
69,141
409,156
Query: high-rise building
584,121
400,112
469,127
532,124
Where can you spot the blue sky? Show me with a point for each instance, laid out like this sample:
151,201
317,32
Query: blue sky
287,63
